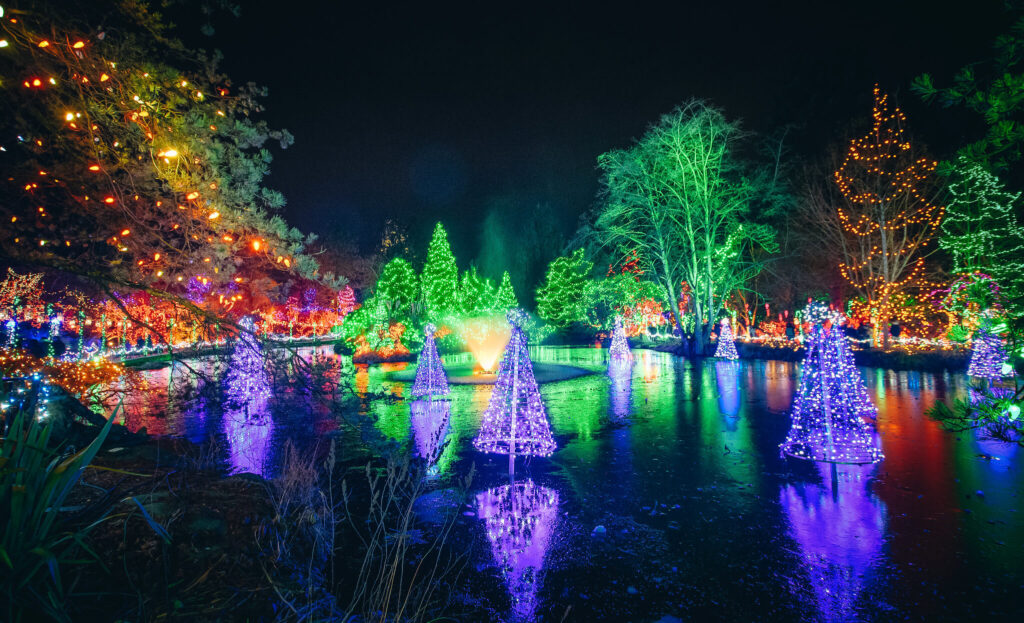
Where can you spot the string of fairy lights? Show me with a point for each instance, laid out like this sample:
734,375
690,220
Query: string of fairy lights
889,216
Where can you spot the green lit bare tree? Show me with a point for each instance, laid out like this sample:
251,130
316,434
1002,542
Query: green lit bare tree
681,199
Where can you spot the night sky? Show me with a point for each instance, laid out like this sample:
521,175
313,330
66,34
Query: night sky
420,112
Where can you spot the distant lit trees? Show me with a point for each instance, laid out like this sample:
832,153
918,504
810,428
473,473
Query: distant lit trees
681,200
981,231
476,294
505,298
397,288
560,299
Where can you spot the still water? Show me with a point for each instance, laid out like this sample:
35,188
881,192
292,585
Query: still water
667,498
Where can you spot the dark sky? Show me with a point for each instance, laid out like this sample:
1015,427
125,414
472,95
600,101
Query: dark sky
423,112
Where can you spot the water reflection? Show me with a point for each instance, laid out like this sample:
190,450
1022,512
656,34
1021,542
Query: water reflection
727,377
248,426
430,425
620,388
520,518
839,527
249,436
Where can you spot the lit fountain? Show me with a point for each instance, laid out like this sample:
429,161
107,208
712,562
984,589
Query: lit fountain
486,337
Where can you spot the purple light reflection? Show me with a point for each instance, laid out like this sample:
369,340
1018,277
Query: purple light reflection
727,377
520,518
839,527
248,426
430,425
620,388
249,437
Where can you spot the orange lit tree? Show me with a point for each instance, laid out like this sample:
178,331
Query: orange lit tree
130,161
888,216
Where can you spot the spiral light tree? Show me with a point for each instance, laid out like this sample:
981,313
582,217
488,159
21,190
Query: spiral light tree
431,380
515,422
831,408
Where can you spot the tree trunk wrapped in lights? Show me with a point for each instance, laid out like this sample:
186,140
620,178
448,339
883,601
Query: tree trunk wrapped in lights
520,518
987,356
726,342
515,422
619,349
431,380
832,406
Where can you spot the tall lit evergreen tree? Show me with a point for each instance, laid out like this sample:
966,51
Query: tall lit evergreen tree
981,231
560,299
440,277
476,295
505,299
397,288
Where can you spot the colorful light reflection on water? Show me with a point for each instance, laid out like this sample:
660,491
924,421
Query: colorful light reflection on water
678,460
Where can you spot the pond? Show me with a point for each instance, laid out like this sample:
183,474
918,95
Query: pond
668,500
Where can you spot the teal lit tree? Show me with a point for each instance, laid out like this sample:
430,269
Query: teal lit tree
561,300
505,299
440,279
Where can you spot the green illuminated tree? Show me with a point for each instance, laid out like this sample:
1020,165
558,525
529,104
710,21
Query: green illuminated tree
440,276
981,231
561,300
605,298
476,295
397,288
680,198
505,299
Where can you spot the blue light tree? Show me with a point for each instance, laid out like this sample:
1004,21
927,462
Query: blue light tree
619,349
726,342
832,406
987,356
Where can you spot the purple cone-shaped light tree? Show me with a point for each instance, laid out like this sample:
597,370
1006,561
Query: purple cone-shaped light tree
520,518
726,342
431,380
831,406
619,349
515,422
987,356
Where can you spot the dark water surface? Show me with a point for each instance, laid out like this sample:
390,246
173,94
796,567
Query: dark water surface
667,498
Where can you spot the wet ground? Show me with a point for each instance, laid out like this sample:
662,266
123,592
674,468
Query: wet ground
667,498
